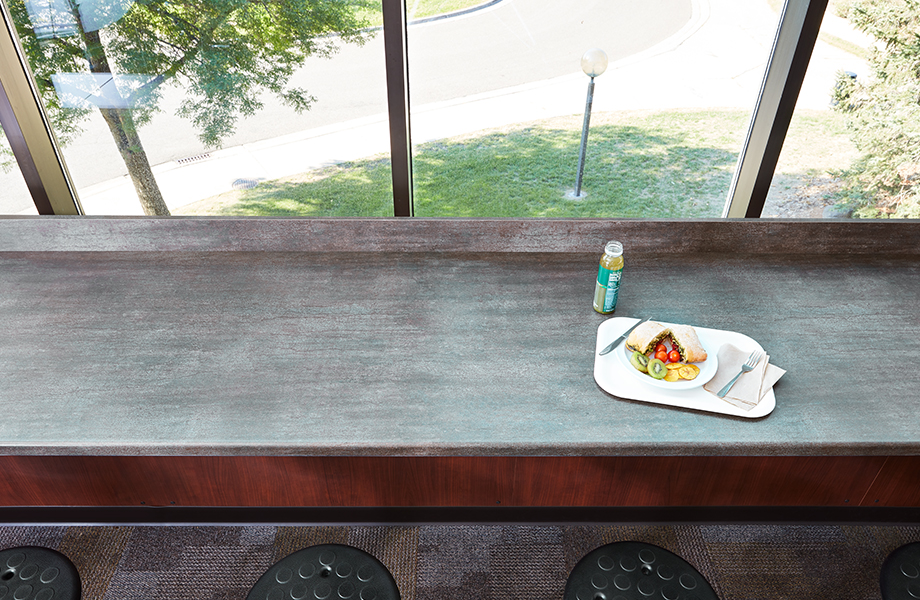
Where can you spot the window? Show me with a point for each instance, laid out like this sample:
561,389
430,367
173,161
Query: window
169,105
517,102
853,140
667,121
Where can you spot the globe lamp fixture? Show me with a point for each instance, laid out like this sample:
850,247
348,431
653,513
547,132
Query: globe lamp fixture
594,62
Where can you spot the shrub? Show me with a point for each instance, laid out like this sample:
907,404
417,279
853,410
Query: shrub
883,111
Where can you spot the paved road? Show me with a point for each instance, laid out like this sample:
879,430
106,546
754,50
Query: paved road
507,44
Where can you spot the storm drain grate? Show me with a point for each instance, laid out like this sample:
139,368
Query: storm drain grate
245,184
196,158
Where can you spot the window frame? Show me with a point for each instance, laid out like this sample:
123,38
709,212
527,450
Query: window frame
792,48
41,162
28,130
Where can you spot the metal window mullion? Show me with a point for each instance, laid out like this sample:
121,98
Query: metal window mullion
792,48
397,69
28,131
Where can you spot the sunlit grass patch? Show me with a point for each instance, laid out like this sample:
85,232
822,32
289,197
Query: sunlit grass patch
639,164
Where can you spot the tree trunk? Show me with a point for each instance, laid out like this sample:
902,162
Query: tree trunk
128,142
132,152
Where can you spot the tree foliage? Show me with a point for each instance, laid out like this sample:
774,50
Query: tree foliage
227,52
223,54
883,110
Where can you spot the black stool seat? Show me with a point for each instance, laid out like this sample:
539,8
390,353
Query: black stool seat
900,576
326,572
34,573
636,571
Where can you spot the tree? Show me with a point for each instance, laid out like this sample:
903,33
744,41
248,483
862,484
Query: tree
883,109
224,53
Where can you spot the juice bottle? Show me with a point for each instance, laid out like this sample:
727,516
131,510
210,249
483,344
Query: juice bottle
608,278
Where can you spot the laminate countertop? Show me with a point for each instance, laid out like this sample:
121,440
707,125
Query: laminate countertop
440,338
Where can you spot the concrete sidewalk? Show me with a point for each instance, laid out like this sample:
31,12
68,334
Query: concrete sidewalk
716,60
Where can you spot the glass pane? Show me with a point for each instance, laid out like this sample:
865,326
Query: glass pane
212,107
499,99
818,144
854,141
14,194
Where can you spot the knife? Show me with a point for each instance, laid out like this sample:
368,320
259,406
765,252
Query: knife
617,341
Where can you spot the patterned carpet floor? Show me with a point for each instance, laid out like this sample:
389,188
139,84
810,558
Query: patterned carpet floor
470,562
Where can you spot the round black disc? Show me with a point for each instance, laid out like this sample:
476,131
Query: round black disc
35,573
636,571
900,575
326,572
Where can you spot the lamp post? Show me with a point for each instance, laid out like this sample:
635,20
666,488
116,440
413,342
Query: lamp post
593,63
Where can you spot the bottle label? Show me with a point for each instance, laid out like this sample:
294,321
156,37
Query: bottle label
608,287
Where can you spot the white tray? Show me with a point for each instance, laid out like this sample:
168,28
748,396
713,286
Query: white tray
610,373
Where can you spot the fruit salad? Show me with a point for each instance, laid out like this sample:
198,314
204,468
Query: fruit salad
664,363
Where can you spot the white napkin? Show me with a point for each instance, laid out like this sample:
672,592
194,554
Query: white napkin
751,387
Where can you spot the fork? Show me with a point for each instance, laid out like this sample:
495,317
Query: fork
747,367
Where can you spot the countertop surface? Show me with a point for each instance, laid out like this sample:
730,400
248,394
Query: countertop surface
452,352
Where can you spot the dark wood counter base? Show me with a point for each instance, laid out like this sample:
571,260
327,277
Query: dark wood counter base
650,481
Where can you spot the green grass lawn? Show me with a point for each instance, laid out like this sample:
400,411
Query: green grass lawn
419,9
639,164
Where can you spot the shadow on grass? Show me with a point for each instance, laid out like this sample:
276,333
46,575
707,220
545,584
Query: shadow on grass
669,167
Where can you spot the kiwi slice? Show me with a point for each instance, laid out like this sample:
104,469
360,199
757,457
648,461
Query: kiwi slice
640,361
657,369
